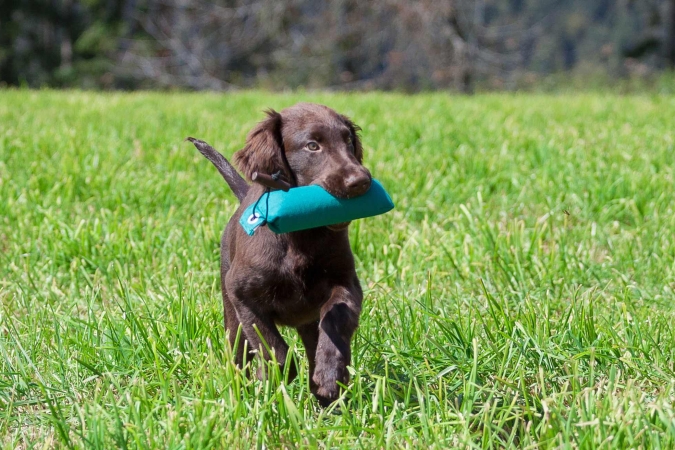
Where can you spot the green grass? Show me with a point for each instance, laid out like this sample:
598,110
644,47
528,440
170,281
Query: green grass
520,294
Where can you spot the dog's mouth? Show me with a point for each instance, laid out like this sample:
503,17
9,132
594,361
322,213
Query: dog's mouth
341,194
337,193
339,226
342,191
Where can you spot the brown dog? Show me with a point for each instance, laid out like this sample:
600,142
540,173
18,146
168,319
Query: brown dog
305,279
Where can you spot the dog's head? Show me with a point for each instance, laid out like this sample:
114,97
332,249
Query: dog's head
308,144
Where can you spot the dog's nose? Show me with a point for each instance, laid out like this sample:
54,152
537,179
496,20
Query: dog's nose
357,183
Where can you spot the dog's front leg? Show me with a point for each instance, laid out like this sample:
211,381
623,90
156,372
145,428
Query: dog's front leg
309,333
339,319
256,325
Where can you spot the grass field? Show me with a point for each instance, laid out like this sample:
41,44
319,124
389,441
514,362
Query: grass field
520,294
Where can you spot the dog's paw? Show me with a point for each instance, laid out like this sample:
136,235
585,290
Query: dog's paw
325,384
327,395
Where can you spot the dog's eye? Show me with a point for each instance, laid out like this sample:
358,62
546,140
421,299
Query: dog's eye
350,144
313,146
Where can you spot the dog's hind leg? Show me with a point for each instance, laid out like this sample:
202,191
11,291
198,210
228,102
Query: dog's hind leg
263,336
235,337
232,328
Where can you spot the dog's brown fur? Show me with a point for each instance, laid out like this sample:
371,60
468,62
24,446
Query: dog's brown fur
304,279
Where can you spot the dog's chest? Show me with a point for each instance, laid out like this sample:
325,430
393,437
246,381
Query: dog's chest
290,279
298,275
285,280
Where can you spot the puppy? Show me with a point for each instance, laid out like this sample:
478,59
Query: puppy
305,279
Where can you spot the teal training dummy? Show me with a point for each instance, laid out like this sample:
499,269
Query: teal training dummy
299,208
310,207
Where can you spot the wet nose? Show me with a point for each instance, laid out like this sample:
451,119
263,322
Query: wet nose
357,183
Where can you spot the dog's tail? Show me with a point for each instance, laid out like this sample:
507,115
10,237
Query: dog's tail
238,185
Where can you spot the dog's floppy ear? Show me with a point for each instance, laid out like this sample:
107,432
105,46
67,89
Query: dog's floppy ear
356,139
264,149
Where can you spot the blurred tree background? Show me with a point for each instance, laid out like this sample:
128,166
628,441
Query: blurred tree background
341,44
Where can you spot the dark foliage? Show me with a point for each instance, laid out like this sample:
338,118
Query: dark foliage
345,44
